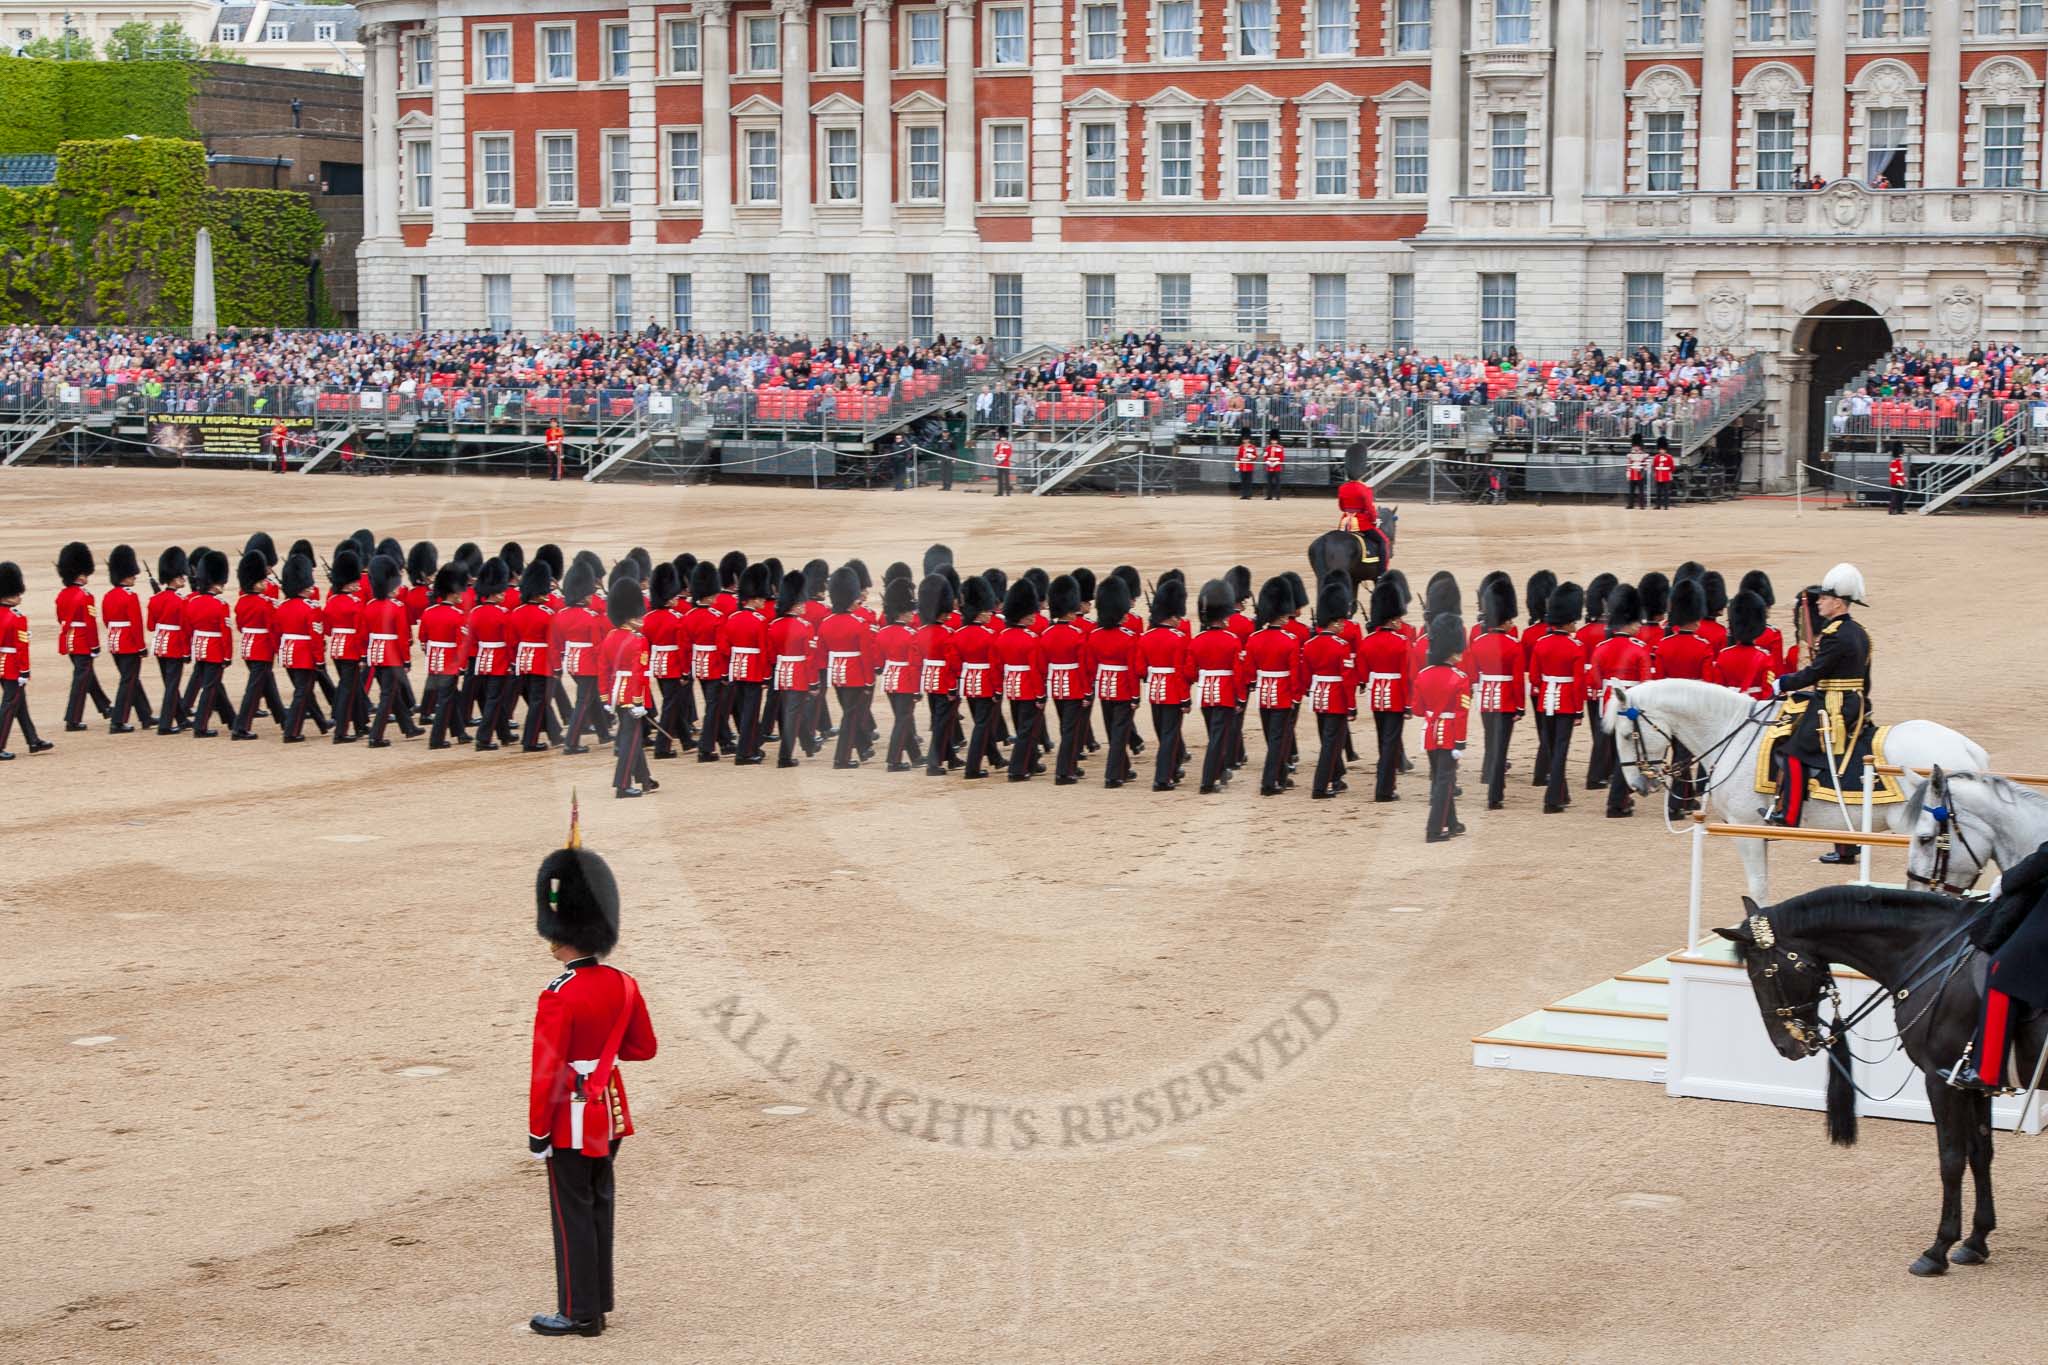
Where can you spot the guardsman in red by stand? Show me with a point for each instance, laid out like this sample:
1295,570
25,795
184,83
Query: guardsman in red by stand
1167,670
1330,666
1020,663
1745,664
1110,660
14,665
574,634
666,660
168,639
790,638
1442,700
937,662
979,688
206,620
897,643
1067,680
1638,474
533,659
707,664
1621,658
847,643
127,641
491,651
1664,472
1217,657
590,1018
442,628
1897,476
387,651
1272,662
1276,465
743,647
255,625
78,633
1385,671
280,446
1005,453
554,443
1247,466
1496,667
1557,691
622,673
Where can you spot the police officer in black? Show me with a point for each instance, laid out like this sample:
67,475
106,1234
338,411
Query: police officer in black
1829,698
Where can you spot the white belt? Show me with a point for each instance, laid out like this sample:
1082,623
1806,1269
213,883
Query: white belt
746,649
1205,672
265,630
787,658
656,651
965,669
1016,668
582,1069
699,651
1112,668
374,635
1275,673
1061,668
1155,672
842,654
350,630
206,635
487,647
1321,678
119,625
287,639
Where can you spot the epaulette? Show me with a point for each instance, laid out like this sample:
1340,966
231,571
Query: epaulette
561,980
1831,627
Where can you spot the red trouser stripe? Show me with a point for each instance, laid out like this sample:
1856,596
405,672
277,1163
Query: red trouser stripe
1991,1052
1795,790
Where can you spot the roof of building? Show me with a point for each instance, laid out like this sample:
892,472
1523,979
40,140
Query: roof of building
30,169
300,22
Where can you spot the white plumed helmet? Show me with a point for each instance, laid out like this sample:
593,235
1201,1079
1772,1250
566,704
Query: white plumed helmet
1846,582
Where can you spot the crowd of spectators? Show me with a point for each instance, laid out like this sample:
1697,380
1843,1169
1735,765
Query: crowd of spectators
1927,391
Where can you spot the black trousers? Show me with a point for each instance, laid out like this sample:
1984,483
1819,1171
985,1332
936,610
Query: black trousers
1244,485
1276,723
903,733
1387,730
1219,722
1172,756
1028,717
1600,766
350,703
14,711
1002,482
171,713
944,732
1116,729
1898,507
540,709
794,704
207,696
491,687
260,688
1073,717
1638,494
674,729
1541,776
856,724
1499,728
580,1210
304,702
441,705
85,682
1330,728
558,696
1664,494
587,714
391,700
128,693
746,705
984,712
325,682
1555,733
717,719
1272,485
1443,803
630,768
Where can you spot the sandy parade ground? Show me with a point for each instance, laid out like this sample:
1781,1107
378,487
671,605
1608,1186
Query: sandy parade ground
1184,1078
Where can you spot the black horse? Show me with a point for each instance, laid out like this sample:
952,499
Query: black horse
1912,944
1361,555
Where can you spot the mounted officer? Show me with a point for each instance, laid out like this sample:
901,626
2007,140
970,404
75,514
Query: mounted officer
1828,701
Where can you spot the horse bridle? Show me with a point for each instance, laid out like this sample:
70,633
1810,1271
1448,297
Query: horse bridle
1816,1040
1660,774
1947,830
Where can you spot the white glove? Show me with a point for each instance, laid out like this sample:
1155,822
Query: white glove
1997,886
543,1154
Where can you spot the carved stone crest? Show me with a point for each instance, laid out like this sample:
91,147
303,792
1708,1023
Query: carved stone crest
1503,214
1844,284
1795,209
1957,313
1724,209
1726,311
1845,204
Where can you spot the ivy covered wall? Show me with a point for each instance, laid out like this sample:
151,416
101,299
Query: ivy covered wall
112,241
44,103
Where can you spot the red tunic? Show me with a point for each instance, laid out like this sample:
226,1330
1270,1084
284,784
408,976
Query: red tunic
742,646
897,644
975,645
1749,669
342,616
168,638
1557,674
123,612
487,640
574,634
526,631
1772,642
206,620
790,641
78,629
1618,659
1109,659
1276,458
1495,664
387,634
850,651
1063,643
1442,702
441,634
665,653
14,663
1715,634
622,667
255,622
1330,664
415,598
1017,653
1685,654
1272,661
1166,664
1247,456
1220,675
575,1019
1663,466
300,643
1385,669
935,660
700,634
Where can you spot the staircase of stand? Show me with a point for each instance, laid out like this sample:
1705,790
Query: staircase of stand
1392,467
1959,478
619,450
24,443
1727,407
1084,447
331,441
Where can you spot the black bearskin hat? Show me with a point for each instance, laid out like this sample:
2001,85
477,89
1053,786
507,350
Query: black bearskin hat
817,573
897,569
860,571
1565,605
1441,597
1387,605
842,589
625,571
362,556
730,566
590,560
755,582
514,556
663,587
468,555
774,567
10,579
365,543
643,562
977,598
1486,587
1300,589
1692,568
1062,596
1084,579
1446,637
952,577
790,597
1334,602
1240,580
1112,603
1217,600
1654,590
1131,581
551,555
1021,603
122,564
74,562
578,584
391,550
1717,592
1276,601
1176,575
1597,593
1497,603
263,545
684,562
492,579
1541,584
998,581
192,559
1400,581
1624,607
898,597
296,576
576,899
251,571
1169,601
1759,582
421,561
301,546
535,582
1748,618
625,602
345,568
937,555
171,564
1688,603
213,569
703,581
385,573
1039,579
934,599
448,582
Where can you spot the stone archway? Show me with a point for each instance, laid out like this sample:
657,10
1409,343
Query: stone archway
1835,341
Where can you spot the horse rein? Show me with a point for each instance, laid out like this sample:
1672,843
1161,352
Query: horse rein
1818,1040
1946,821
1661,774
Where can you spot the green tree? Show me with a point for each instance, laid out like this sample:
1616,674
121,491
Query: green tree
139,41
60,49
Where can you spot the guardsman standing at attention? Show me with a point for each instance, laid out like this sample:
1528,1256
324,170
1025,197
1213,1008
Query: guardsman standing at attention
1826,722
1442,700
1620,659
255,626
1638,474
554,441
1496,667
1005,457
622,672
1557,690
127,641
590,1018
1896,476
78,633
1744,664
1276,464
1664,470
1247,465
206,620
1385,671
14,665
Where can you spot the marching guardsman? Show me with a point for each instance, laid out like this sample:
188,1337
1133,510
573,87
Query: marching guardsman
1241,624
422,562
1276,464
1664,473
896,642
743,649
1896,476
14,665
1838,679
1494,662
1770,639
127,641
937,662
1557,674
387,650
973,642
851,653
1638,474
1385,671
665,660
262,544
1217,657
1535,597
1716,589
443,625
1329,664
255,626
1247,466
1439,598
790,642
1272,662
699,638
1064,643
1684,653
78,633
1653,592
301,645
1442,700
491,652
574,635
2014,931
533,659
1745,664
1005,457
1621,658
590,1018
341,623
1016,652
206,621
622,673
1167,670
1110,659
1480,600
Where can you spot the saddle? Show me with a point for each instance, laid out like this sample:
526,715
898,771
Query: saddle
1869,743
1371,546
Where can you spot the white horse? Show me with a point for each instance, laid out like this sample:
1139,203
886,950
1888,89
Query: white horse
1962,821
1722,728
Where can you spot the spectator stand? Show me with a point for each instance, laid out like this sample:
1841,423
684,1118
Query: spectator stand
1981,442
